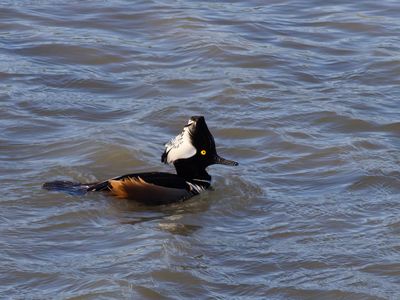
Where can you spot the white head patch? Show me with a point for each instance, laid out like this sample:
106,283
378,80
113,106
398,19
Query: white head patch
181,146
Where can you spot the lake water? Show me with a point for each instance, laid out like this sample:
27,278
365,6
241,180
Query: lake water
304,94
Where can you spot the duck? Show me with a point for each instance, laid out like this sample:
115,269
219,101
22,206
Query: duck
190,152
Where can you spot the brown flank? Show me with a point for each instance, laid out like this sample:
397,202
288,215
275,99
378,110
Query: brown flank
139,190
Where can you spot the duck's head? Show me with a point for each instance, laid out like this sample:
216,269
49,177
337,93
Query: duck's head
194,146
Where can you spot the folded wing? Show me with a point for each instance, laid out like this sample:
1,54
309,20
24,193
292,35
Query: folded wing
135,188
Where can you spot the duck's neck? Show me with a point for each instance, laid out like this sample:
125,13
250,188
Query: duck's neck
191,171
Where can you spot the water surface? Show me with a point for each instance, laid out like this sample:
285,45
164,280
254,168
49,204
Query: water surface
304,94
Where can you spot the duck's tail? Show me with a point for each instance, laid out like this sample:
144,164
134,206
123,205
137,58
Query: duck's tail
69,187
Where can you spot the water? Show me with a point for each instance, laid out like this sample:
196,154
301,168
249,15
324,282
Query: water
304,94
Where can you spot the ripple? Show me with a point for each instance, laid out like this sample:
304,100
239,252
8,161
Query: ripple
71,54
385,183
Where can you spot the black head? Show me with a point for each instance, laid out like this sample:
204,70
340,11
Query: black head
194,146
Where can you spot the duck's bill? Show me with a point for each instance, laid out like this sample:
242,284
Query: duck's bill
222,161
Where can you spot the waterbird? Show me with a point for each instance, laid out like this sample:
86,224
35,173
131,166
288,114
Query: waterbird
190,152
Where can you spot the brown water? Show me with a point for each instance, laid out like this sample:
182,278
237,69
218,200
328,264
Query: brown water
304,94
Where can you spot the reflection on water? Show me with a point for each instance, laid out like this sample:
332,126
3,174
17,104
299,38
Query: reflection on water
304,94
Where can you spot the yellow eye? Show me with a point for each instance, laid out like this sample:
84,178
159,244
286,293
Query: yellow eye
203,152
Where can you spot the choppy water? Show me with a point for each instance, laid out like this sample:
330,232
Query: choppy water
304,94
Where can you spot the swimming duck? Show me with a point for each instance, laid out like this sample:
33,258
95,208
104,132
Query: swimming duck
191,152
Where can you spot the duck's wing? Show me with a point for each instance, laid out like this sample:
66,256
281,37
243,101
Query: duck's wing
148,188
141,191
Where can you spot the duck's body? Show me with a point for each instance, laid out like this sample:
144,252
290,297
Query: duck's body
191,152
153,188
